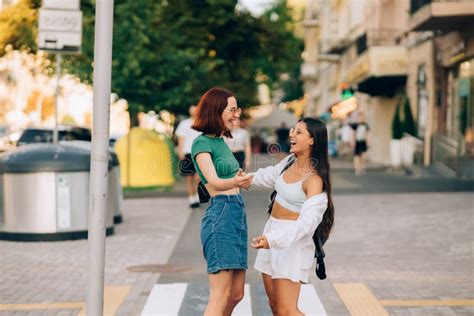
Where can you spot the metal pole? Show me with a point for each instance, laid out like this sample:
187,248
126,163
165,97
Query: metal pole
56,97
99,156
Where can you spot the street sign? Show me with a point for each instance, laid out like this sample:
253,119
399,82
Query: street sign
60,30
59,42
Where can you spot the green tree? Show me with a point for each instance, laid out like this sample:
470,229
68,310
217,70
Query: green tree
281,51
409,122
397,125
166,54
18,26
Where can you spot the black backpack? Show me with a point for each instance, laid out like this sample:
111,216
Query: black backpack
318,238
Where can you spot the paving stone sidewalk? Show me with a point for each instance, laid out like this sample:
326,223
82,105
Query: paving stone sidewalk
55,272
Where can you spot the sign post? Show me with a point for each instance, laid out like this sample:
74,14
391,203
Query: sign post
59,32
99,156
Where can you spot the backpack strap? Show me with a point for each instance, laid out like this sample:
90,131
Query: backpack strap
273,195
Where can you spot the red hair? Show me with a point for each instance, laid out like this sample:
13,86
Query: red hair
209,110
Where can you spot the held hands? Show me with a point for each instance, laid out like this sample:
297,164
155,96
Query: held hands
260,242
243,179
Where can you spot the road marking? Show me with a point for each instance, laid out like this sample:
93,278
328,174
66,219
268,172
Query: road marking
468,302
244,308
182,298
359,300
114,295
165,299
309,302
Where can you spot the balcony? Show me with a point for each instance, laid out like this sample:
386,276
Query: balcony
380,70
335,46
376,37
310,22
440,15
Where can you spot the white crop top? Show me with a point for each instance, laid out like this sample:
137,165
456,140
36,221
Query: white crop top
290,195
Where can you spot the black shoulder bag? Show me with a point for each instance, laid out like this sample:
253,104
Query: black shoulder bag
318,238
204,195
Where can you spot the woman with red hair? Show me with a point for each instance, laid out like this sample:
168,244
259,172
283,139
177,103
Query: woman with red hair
224,224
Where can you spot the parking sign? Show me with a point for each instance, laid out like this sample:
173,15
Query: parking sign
59,28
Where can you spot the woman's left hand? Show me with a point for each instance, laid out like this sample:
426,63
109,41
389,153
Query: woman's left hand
260,242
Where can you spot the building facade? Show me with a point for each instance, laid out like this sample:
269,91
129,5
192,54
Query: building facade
440,43
387,50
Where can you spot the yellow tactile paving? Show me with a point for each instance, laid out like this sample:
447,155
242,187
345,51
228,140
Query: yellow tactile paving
19,307
114,295
359,300
468,302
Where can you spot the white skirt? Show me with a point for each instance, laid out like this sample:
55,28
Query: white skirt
293,262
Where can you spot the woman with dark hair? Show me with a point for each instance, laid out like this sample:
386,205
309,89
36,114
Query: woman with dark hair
303,201
224,224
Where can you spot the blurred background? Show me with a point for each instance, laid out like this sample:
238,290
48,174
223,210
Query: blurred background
392,79
407,65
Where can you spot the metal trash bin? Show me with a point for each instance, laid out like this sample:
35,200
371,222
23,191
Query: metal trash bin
45,193
114,187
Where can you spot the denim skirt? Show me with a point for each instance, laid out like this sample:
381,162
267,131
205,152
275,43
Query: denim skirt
224,234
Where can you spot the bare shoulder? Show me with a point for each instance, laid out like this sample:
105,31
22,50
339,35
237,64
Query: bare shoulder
313,185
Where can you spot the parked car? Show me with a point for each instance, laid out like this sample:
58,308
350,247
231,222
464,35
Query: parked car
45,135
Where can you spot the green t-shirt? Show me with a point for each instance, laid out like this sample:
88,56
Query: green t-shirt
224,161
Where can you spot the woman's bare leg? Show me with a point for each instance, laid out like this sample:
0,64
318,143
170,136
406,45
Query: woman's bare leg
286,294
268,284
220,285
236,291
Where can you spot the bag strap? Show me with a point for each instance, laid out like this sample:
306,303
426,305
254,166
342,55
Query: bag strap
273,195
288,164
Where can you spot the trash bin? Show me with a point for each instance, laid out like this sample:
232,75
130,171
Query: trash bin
114,188
45,193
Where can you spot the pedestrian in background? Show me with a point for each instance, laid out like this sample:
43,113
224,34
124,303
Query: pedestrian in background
282,138
224,224
360,143
346,137
186,135
303,201
240,146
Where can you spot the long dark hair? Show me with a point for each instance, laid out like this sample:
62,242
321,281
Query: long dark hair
320,162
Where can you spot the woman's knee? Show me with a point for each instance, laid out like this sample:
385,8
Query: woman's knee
236,297
282,309
273,306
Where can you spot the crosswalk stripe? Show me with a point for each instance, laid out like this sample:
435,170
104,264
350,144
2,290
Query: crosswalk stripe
179,299
165,299
244,308
309,302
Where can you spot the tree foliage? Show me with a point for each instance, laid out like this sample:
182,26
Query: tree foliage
18,26
166,54
397,124
409,122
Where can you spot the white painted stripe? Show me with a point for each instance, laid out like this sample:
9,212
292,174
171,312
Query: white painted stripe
244,308
165,299
309,302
